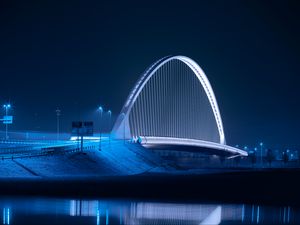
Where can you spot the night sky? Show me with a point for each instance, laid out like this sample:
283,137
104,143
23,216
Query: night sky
76,55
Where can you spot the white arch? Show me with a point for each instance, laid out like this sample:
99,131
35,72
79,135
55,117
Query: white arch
123,119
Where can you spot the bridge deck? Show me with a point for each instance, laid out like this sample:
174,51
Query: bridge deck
147,141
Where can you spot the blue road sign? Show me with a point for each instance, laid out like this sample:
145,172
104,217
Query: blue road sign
7,119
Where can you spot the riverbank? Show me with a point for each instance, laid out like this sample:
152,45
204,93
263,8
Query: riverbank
252,187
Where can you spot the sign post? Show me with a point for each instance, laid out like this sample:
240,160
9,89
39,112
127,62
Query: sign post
81,129
7,120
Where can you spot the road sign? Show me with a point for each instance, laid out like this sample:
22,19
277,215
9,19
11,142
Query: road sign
7,119
82,128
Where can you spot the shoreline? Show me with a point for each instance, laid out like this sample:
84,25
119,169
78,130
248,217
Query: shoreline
271,187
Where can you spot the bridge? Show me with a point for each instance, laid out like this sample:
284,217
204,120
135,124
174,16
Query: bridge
173,104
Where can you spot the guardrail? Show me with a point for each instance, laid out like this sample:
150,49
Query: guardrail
41,149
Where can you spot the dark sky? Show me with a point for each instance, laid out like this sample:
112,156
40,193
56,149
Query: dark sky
76,55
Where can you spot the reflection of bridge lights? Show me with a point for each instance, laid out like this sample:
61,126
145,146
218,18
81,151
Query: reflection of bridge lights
257,215
107,217
98,217
6,215
83,208
243,213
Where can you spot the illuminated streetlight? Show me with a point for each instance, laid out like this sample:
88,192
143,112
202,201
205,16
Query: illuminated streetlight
123,115
58,111
261,150
6,107
109,123
100,110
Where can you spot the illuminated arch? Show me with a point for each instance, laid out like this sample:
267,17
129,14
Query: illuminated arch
121,128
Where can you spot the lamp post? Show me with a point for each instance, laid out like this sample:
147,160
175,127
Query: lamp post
6,107
109,123
123,115
58,111
261,150
100,109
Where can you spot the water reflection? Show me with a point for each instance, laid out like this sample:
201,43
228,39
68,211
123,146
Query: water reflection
78,211
5,215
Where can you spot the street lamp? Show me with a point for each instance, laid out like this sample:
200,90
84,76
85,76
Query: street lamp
100,110
109,123
6,107
123,115
261,150
58,111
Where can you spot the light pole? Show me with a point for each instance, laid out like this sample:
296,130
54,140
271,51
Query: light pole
100,109
261,150
109,123
123,115
6,107
58,111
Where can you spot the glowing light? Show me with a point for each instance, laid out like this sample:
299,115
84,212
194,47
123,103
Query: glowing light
98,216
7,106
6,216
199,73
107,217
243,213
150,141
214,217
76,138
257,215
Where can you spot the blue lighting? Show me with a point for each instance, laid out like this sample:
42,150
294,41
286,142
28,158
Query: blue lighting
100,108
98,216
6,216
107,217
7,106
252,214
257,215
243,213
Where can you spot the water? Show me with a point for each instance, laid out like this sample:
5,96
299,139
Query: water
76,211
